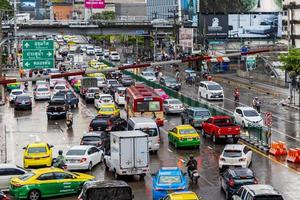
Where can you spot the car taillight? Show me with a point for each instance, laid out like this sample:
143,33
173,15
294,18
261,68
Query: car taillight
83,160
231,182
27,157
242,159
159,188
18,185
255,181
45,156
181,139
90,129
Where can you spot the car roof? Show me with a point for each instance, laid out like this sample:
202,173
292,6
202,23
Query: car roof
46,170
17,90
81,147
121,88
38,144
198,109
260,189
184,126
104,184
8,165
60,84
245,108
141,120
169,171
187,195
210,83
93,133
234,147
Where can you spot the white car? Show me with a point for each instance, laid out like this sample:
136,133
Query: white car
103,99
98,49
247,116
54,80
120,95
8,171
59,87
14,93
210,90
101,82
173,106
83,157
114,56
148,75
237,155
42,92
41,83
90,50
110,82
106,53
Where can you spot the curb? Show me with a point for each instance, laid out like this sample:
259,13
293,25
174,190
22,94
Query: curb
246,86
291,106
255,145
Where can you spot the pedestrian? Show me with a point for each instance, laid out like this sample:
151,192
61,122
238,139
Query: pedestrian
256,104
177,74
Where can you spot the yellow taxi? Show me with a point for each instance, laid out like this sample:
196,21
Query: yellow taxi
47,182
37,155
184,136
182,196
109,109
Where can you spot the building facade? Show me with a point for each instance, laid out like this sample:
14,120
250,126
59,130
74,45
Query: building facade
291,22
161,9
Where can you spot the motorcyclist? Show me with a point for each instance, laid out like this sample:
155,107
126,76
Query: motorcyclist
191,165
69,117
236,95
177,74
60,160
256,104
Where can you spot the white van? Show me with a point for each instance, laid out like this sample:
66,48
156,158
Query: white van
149,126
120,95
210,90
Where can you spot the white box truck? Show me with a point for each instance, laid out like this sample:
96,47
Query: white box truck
128,154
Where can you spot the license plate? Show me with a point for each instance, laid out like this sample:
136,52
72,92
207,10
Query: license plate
222,136
133,171
23,103
229,136
217,96
55,113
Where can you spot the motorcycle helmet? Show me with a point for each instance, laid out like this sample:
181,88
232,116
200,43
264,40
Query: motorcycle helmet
60,152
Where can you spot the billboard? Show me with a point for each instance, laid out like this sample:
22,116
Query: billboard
98,4
189,12
240,6
216,25
254,25
186,37
27,5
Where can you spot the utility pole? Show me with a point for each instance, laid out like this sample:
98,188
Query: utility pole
289,43
2,101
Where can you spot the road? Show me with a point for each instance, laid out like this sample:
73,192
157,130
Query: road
24,127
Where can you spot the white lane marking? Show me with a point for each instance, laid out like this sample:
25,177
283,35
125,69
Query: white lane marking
209,147
170,150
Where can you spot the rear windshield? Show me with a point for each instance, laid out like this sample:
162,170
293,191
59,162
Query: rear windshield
26,176
147,106
60,87
107,109
17,93
77,152
187,131
91,138
37,150
42,89
202,113
99,124
108,194
169,179
174,102
214,87
268,197
151,132
232,153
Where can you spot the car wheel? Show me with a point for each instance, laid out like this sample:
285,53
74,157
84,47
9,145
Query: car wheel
90,166
203,133
235,140
116,175
142,176
106,167
102,158
34,195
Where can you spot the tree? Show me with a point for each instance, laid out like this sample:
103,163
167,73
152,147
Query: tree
105,15
4,5
291,62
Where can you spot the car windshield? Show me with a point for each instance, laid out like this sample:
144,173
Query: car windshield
147,106
37,150
171,80
42,89
60,87
232,153
250,113
187,131
214,87
91,138
77,152
174,102
22,98
160,93
17,92
202,113
106,98
95,90
151,132
107,109
268,197
169,179
26,176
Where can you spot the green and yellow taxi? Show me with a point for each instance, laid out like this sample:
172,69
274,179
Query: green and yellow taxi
182,196
47,182
109,109
12,86
37,154
184,136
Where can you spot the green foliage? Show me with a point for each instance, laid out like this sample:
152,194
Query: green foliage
291,62
4,5
105,15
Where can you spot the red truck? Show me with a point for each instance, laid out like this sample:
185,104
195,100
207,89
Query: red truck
221,127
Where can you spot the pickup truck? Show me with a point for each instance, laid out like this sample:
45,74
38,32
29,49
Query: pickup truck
195,116
221,127
57,108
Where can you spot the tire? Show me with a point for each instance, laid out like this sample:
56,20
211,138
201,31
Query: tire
90,167
34,195
102,158
214,138
235,140
106,167
243,125
116,175
203,133
142,176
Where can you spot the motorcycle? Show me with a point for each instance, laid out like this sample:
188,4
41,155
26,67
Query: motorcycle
69,123
26,85
194,176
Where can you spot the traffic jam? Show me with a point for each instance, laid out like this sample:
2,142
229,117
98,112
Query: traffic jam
106,136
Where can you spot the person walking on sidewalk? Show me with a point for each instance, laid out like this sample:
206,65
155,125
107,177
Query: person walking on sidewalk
256,104
236,95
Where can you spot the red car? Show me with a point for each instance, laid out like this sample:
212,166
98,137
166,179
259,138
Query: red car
221,127
162,93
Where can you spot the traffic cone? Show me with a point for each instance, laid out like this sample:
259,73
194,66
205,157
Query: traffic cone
294,155
282,147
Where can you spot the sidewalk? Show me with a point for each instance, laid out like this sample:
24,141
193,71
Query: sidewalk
277,92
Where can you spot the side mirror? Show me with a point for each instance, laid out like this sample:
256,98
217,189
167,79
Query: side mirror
24,148
51,146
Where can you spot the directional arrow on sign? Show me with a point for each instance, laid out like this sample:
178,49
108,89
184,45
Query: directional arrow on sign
26,45
49,54
26,64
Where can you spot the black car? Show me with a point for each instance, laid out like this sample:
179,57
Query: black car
107,123
102,190
127,81
99,139
70,98
57,108
233,178
23,102
170,82
3,196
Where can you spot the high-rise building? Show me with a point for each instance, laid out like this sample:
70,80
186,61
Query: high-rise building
291,22
160,9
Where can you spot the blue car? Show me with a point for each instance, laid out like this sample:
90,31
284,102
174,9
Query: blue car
168,180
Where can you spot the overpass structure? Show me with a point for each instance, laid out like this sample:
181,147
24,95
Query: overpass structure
77,27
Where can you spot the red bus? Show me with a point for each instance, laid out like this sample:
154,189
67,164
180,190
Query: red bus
143,101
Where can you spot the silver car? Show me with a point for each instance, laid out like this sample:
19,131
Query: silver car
173,106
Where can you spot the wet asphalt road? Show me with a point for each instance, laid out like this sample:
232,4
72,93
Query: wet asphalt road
23,127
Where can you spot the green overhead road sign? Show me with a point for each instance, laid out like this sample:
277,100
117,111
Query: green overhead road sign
38,54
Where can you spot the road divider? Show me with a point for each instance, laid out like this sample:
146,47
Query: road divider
293,155
278,148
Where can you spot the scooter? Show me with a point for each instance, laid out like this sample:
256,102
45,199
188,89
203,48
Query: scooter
69,123
194,176
26,85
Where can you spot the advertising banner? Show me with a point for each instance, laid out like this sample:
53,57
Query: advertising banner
27,5
189,12
240,6
186,37
254,25
97,4
216,25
